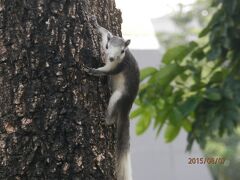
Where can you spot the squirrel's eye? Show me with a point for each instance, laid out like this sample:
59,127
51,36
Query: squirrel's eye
107,46
122,51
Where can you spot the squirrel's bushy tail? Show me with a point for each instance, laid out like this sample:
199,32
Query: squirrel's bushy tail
123,163
124,171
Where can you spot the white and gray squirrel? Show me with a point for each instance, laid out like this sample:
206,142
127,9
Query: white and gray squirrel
123,72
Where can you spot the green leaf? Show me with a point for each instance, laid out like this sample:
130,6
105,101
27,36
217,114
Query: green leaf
147,72
143,123
189,105
218,76
197,74
159,129
175,116
230,6
166,74
161,117
205,31
178,53
215,122
136,113
137,101
171,132
198,54
213,94
228,93
187,125
214,53
215,20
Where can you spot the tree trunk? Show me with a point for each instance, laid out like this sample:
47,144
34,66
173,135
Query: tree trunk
51,112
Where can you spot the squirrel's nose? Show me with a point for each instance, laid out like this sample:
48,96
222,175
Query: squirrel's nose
111,59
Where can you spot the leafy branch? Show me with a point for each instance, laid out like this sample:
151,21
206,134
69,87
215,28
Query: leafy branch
197,87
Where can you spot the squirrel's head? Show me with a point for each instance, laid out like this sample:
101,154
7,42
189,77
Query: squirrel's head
116,48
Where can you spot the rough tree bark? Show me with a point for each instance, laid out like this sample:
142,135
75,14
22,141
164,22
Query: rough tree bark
51,112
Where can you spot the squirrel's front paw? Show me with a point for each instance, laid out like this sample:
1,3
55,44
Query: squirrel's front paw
87,69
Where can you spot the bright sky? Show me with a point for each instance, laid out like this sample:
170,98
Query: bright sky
149,8
137,15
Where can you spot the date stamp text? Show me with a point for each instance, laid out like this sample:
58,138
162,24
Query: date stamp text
206,160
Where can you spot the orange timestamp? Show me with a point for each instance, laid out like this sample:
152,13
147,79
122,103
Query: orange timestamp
206,160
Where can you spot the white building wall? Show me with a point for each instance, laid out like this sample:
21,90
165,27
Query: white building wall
152,158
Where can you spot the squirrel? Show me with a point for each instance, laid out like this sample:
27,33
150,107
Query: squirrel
123,72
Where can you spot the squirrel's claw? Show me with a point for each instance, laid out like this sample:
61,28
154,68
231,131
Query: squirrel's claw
87,70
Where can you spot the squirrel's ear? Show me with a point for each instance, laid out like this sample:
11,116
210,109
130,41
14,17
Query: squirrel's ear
108,36
127,42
